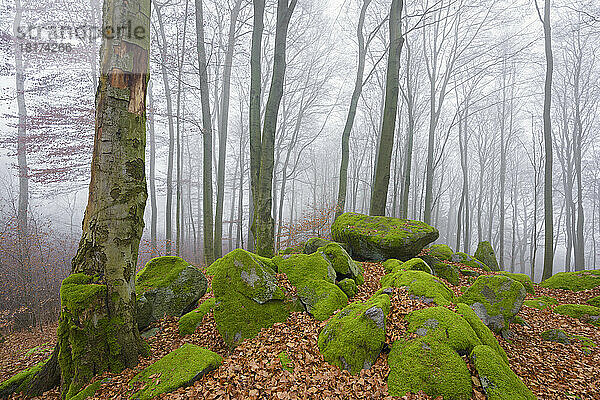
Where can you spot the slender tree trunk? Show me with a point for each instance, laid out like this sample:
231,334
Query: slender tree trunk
388,129
207,195
410,133
502,169
170,158
548,210
152,171
223,125
358,85
99,332
577,145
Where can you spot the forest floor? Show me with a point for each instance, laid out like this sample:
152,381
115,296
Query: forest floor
253,370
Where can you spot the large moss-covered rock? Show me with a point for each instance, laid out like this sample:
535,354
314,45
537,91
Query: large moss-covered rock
428,365
179,368
247,296
575,281
484,333
354,337
379,238
583,312
314,277
421,285
441,252
189,322
469,261
444,325
444,270
485,254
414,264
167,286
541,303
496,299
348,286
343,264
497,379
313,244
524,279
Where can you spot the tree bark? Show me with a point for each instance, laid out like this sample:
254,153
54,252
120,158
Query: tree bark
207,195
388,128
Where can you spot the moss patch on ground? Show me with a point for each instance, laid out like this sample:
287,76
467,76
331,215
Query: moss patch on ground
541,303
497,379
575,281
594,301
428,365
189,322
555,335
286,363
179,368
583,312
420,284
20,382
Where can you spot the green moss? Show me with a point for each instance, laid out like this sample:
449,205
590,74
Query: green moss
159,272
379,238
524,279
420,284
348,286
575,281
343,265
20,382
189,322
442,269
484,333
594,301
414,264
179,368
286,363
428,365
555,335
313,244
470,273
354,337
42,348
444,325
497,299
469,261
485,254
77,292
587,344
497,379
583,312
541,303
441,251
90,390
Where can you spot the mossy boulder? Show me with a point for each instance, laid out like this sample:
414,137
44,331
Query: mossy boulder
582,312
348,286
555,335
469,261
189,322
313,244
421,285
314,277
342,263
496,299
444,325
428,365
498,380
354,337
167,286
247,296
541,303
179,368
575,281
442,269
441,252
523,278
594,301
20,382
379,238
414,264
484,333
485,254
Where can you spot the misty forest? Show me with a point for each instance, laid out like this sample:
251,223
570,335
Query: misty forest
300,199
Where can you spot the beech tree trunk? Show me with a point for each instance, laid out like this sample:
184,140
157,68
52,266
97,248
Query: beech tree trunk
97,329
386,141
